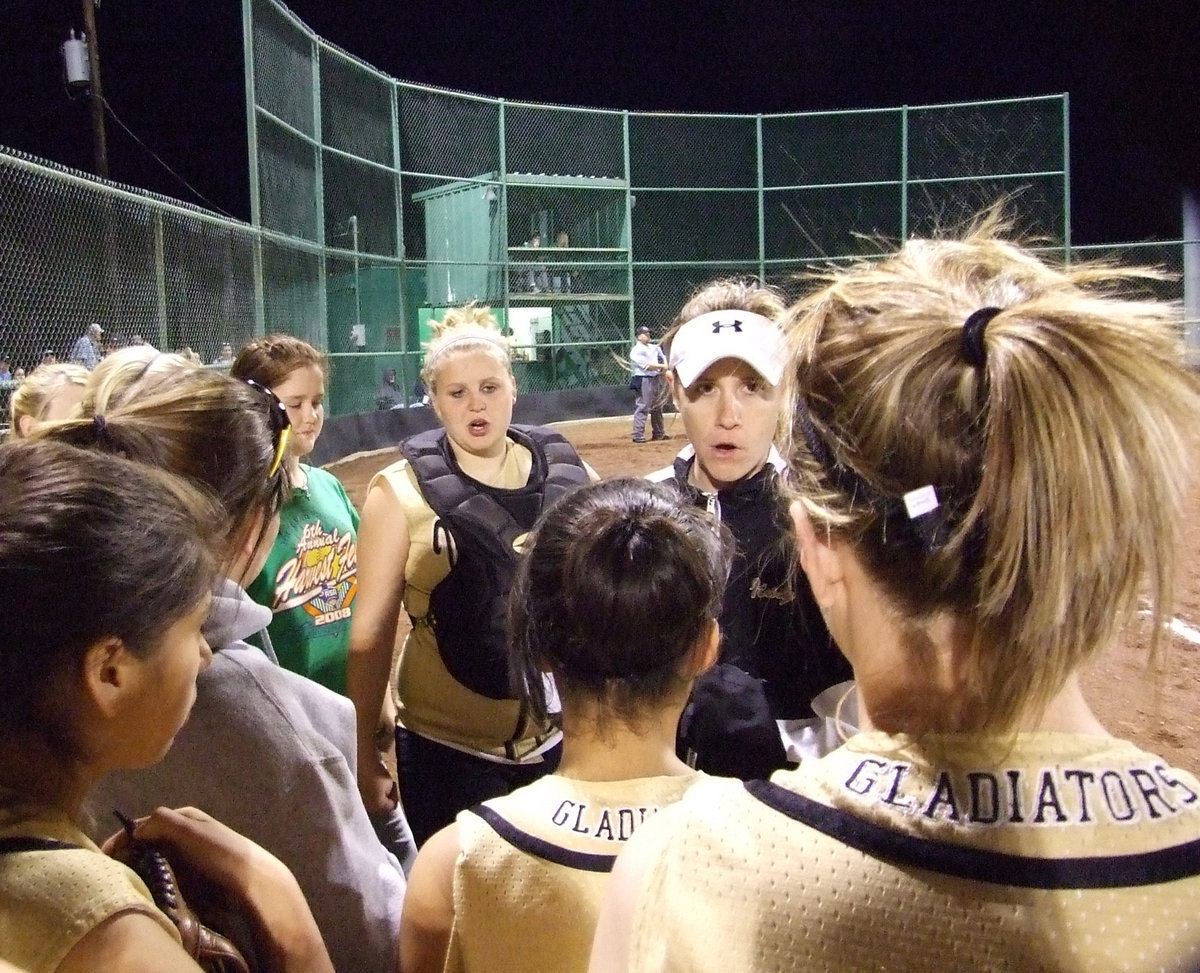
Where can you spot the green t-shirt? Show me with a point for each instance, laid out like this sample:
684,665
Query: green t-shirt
310,581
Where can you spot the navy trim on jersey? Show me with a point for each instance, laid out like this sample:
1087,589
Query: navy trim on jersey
979,865
540,848
18,844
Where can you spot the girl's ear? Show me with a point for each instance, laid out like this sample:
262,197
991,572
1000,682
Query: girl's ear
108,673
704,653
25,425
818,556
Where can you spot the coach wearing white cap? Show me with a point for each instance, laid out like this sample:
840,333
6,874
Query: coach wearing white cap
752,713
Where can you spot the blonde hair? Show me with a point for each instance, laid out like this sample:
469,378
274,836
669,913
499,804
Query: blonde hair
129,373
469,328
1060,459
34,395
198,423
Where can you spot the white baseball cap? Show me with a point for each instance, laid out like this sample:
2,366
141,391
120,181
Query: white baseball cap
728,334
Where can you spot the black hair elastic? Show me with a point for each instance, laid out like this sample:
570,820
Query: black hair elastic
99,428
971,342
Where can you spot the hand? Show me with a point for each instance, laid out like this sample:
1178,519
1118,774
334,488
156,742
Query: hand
380,793
207,847
246,872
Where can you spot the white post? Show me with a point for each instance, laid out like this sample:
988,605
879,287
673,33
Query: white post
1191,274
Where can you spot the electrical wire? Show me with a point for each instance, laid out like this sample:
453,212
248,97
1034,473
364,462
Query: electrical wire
196,192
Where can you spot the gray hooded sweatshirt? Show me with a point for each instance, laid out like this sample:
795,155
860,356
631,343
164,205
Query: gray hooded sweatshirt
272,755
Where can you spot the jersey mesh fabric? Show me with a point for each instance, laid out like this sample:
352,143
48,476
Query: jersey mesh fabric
533,909
49,900
736,884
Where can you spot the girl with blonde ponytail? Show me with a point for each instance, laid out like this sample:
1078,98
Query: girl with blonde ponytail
989,460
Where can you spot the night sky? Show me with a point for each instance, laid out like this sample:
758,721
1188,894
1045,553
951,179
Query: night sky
173,73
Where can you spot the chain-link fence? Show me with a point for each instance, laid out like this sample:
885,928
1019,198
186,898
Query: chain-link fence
576,224
377,204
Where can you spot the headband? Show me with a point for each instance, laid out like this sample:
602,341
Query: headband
469,337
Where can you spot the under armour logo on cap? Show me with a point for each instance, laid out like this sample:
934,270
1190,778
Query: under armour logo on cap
710,337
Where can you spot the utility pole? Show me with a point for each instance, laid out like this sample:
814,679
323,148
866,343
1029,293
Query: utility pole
99,142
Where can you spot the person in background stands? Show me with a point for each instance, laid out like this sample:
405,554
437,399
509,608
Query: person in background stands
86,350
991,458
646,359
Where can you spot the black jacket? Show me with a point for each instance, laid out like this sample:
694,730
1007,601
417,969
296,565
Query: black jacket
771,628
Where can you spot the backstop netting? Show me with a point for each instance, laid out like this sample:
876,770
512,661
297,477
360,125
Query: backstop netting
377,204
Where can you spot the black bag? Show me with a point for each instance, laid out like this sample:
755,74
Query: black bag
635,383
727,728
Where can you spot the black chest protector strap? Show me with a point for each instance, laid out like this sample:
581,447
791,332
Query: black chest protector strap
487,524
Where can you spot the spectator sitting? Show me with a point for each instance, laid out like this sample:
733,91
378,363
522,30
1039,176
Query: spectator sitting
5,370
86,350
48,357
18,374
389,395
225,355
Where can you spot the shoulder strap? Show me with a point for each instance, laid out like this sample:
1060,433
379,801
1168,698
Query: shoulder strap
978,864
26,843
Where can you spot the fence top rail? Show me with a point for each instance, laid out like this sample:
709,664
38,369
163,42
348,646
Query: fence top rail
600,110
16,159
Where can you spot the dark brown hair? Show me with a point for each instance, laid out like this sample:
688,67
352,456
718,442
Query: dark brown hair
617,584
91,547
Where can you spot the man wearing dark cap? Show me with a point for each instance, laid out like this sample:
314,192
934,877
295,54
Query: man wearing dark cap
648,366
86,350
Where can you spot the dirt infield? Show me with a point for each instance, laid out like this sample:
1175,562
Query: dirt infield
1156,711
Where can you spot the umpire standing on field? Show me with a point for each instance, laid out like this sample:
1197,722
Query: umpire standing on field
648,367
